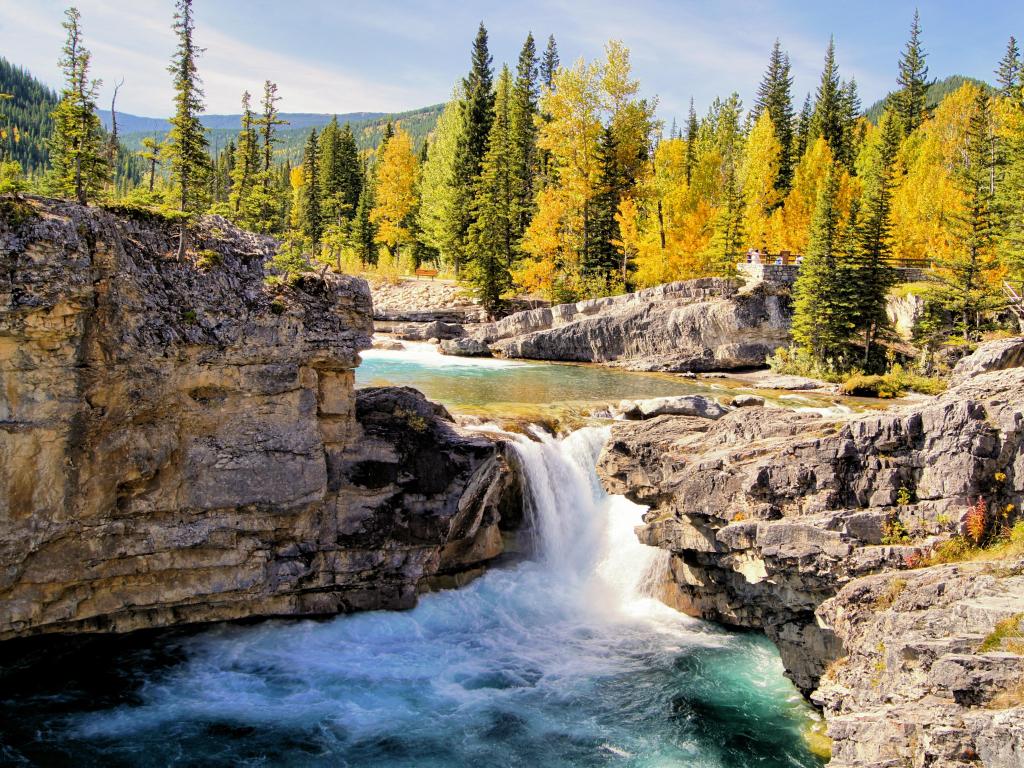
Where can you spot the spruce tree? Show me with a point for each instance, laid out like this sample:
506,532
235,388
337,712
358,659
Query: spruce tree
77,156
363,232
827,121
692,127
312,219
549,63
874,274
850,109
969,287
351,172
1010,75
186,141
478,114
801,137
267,125
601,259
244,172
909,100
522,116
820,308
774,96
329,146
494,235
151,154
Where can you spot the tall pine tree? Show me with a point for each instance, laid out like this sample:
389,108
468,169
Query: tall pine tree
827,120
774,96
909,100
549,64
874,274
495,233
692,127
186,141
1010,75
243,174
523,127
312,218
77,151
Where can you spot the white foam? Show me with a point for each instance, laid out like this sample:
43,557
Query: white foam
428,355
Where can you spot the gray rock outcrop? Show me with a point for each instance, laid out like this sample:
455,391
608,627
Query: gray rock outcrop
695,325
770,514
180,442
995,355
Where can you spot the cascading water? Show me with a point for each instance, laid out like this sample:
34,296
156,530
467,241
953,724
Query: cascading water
560,660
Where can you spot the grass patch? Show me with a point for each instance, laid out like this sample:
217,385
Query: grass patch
887,598
896,383
146,213
960,549
920,288
1006,636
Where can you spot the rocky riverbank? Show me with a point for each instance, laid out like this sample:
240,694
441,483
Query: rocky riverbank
182,442
811,530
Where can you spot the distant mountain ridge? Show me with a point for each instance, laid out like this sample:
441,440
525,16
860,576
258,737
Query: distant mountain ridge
937,91
129,123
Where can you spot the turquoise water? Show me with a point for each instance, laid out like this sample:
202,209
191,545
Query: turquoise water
563,660
501,386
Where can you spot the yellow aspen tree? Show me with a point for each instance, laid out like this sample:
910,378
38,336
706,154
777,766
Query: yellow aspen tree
758,175
395,198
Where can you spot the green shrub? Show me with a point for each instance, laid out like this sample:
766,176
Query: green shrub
896,383
207,259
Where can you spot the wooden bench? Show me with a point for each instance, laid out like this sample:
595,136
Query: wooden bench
431,273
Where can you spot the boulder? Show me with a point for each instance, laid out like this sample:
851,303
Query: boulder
680,405
465,347
747,401
995,355
695,325
436,329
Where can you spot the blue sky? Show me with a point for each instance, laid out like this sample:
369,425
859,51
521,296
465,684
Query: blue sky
392,55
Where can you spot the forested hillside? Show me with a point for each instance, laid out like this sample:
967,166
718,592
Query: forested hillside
559,180
934,94
28,125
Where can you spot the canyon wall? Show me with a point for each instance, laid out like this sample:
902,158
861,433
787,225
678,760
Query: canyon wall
181,442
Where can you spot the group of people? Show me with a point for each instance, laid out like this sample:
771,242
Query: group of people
754,257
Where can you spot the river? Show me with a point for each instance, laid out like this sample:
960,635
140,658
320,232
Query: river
560,660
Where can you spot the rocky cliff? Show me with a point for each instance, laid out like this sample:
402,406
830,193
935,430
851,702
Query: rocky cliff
797,525
181,442
695,325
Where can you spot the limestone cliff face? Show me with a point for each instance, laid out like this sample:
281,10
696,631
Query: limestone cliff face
776,521
695,325
179,442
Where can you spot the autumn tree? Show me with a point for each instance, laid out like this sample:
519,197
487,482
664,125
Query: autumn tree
395,194
79,164
762,164
186,141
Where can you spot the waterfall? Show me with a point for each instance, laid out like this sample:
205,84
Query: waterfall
581,533
560,659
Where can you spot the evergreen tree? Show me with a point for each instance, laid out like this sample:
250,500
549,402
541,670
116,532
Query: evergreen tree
850,113
243,174
909,100
874,274
827,120
312,219
351,171
801,137
495,233
523,127
728,236
549,64
150,153
820,295
186,141
774,97
692,127
329,148
267,124
478,114
969,275
1010,75
439,214
77,156
601,259
363,231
